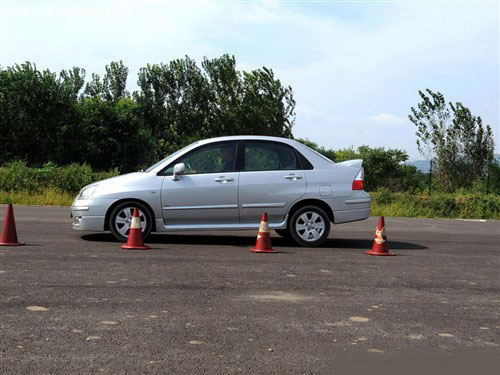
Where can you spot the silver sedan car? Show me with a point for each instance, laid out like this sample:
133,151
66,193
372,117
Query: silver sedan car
226,184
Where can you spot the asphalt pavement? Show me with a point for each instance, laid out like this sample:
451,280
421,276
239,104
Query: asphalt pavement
74,302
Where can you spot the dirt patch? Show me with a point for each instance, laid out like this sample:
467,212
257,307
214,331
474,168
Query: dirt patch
37,308
359,319
280,297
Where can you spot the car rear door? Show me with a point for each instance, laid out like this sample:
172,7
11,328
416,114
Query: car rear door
270,180
208,191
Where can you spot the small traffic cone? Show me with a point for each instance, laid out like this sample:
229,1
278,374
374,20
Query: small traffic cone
263,244
135,240
380,246
8,237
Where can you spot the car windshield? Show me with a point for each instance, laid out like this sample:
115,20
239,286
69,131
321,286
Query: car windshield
168,157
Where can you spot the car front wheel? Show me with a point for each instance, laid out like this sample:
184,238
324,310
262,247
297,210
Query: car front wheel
309,226
121,219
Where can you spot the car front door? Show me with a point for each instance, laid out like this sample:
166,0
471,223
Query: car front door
271,179
207,192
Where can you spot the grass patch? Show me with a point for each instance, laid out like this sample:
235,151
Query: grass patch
17,176
468,206
48,197
50,185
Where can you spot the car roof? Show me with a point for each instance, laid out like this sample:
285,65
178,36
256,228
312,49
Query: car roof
316,159
248,137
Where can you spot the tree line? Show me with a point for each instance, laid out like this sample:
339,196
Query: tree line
458,144
64,118
60,118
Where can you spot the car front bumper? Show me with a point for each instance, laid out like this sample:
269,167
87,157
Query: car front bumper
89,214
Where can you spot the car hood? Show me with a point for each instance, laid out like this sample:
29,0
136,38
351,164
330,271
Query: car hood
122,179
128,185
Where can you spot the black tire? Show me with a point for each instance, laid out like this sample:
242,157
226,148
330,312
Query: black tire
283,233
118,211
310,228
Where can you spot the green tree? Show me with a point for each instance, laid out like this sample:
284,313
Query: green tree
152,97
458,142
111,134
268,108
112,86
181,102
58,118
187,98
75,79
115,81
252,102
173,103
225,92
34,107
494,178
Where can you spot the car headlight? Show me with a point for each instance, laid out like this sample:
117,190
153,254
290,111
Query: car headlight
87,192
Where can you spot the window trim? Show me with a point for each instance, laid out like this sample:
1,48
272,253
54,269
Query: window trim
298,156
176,161
305,164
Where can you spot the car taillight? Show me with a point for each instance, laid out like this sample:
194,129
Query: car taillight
359,183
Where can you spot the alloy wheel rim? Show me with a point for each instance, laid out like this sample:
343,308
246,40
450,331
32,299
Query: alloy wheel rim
310,226
123,220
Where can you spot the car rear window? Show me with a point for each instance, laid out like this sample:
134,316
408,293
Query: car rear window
269,156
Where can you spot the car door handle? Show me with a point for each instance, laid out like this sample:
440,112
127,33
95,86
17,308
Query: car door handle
293,177
223,179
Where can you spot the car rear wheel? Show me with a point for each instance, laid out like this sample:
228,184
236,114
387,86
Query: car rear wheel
121,218
309,226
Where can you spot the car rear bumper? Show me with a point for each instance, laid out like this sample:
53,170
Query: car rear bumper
354,208
346,216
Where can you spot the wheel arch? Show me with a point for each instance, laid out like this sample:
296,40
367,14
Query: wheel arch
312,202
118,202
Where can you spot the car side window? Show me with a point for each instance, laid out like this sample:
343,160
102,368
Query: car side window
269,156
216,158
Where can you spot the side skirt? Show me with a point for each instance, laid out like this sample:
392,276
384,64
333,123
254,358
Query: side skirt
162,227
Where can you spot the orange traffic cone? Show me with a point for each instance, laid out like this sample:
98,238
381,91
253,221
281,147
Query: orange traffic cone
380,246
263,244
135,240
8,237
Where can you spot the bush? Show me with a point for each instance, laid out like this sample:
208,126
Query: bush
444,205
384,196
16,177
480,206
494,178
73,177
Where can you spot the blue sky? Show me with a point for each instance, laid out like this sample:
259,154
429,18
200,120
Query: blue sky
355,67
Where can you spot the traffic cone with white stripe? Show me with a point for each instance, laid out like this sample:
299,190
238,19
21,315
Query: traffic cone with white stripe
380,246
263,244
135,240
8,236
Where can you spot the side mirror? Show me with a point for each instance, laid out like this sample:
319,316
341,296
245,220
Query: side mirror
178,171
